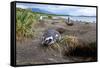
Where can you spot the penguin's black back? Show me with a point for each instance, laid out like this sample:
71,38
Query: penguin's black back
51,32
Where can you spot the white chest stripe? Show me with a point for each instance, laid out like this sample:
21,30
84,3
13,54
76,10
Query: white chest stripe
49,38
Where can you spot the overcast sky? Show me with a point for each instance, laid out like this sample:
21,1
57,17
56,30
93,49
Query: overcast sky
60,9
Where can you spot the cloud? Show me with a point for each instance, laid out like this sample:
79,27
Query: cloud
21,6
87,11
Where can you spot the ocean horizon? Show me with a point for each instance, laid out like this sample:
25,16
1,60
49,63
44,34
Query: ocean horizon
83,19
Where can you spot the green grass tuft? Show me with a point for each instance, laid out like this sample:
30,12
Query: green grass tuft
25,20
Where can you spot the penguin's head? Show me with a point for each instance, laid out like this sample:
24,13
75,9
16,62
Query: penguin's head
48,41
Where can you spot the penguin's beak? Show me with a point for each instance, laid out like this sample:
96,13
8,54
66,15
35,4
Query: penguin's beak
47,42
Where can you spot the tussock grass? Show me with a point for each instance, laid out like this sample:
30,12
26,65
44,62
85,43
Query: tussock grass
69,41
54,49
88,50
25,22
66,44
70,24
86,22
71,45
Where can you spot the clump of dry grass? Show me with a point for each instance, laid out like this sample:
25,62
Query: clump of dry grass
71,45
61,30
86,22
70,24
54,49
70,41
66,44
57,47
74,47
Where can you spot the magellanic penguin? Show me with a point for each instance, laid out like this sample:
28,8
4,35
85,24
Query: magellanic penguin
50,36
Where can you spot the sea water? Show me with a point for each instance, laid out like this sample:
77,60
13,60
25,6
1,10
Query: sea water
83,19
86,19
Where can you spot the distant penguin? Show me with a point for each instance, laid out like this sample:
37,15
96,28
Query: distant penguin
50,36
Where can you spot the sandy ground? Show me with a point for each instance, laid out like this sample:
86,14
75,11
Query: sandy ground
30,51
